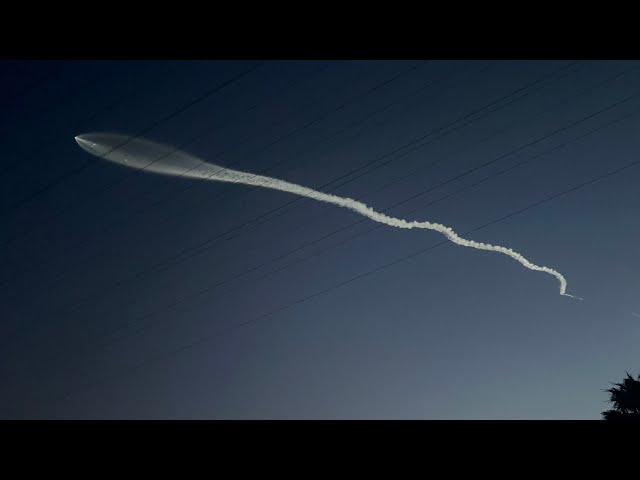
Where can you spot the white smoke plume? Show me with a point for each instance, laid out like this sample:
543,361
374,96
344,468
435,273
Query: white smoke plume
166,160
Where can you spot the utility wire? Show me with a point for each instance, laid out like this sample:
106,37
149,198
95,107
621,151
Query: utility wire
145,130
200,248
379,226
136,172
89,83
208,289
191,185
103,292
221,332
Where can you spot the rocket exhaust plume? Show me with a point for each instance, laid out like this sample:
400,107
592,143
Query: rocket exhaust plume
165,160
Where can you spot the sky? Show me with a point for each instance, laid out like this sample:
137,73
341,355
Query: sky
130,295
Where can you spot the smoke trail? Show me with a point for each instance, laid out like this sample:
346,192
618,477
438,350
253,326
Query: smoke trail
165,160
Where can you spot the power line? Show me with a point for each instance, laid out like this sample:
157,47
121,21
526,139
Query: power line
156,123
133,172
220,332
420,207
463,174
300,200
376,87
144,272
397,204
414,143
348,226
368,167
573,188
255,151
91,82
200,248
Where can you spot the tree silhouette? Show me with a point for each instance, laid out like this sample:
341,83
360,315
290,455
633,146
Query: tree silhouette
625,398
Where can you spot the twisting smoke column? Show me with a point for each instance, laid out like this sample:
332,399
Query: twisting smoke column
166,160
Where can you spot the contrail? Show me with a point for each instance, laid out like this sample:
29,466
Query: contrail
165,160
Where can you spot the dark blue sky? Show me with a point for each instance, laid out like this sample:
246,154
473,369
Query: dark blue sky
130,295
